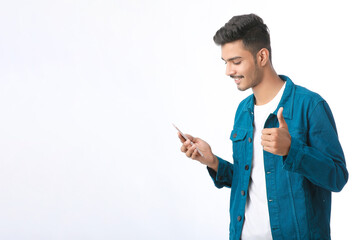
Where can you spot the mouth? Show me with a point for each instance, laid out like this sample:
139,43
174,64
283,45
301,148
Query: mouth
237,78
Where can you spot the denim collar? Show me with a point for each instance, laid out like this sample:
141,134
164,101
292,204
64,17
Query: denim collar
287,99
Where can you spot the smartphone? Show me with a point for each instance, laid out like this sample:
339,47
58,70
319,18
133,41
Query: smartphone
186,138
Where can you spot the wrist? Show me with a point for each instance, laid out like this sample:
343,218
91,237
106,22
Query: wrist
215,164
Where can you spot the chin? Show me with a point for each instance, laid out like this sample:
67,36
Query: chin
242,88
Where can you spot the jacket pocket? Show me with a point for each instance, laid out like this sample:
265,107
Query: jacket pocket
237,137
238,134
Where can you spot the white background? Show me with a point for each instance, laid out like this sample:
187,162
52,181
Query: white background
88,92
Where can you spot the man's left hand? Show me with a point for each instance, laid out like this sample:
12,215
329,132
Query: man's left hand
277,140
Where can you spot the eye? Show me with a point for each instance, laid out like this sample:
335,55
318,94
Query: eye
237,63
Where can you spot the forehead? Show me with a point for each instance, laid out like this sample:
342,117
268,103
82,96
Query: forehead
232,49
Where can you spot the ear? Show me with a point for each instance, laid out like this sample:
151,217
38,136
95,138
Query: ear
263,57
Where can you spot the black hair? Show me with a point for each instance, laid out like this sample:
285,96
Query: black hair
249,28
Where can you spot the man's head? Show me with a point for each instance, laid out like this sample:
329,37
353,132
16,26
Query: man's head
245,46
249,28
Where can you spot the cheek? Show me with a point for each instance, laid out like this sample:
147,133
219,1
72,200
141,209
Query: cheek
240,69
248,71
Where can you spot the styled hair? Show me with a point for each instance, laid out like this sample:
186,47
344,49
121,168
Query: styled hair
249,28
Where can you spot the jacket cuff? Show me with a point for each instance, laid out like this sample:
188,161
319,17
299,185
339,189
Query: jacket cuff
220,178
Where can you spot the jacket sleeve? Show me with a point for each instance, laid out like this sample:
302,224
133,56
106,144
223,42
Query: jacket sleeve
223,177
321,160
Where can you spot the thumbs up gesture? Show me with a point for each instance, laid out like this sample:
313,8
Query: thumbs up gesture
277,140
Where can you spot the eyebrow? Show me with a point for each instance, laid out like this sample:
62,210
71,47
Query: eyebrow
231,59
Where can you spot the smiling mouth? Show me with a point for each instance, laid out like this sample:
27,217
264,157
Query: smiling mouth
237,78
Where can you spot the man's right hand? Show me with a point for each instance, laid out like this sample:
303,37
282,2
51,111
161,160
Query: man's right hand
209,159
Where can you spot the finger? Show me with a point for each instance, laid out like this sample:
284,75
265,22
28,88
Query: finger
268,144
282,123
268,149
194,154
190,137
268,131
186,145
183,148
190,151
267,137
182,139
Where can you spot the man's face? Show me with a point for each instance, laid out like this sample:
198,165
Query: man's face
240,65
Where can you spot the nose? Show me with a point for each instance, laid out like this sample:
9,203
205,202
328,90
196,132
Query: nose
230,69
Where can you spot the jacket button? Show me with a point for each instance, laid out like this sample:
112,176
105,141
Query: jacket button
239,218
250,140
235,135
243,192
246,167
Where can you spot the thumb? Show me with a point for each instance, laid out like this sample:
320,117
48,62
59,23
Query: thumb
282,123
190,137
193,139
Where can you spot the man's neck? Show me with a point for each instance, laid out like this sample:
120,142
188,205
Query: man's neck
269,87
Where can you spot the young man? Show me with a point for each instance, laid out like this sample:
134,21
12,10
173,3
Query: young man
287,156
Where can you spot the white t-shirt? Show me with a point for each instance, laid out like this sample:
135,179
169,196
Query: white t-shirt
257,221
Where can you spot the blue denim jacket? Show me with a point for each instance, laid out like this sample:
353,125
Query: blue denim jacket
298,185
